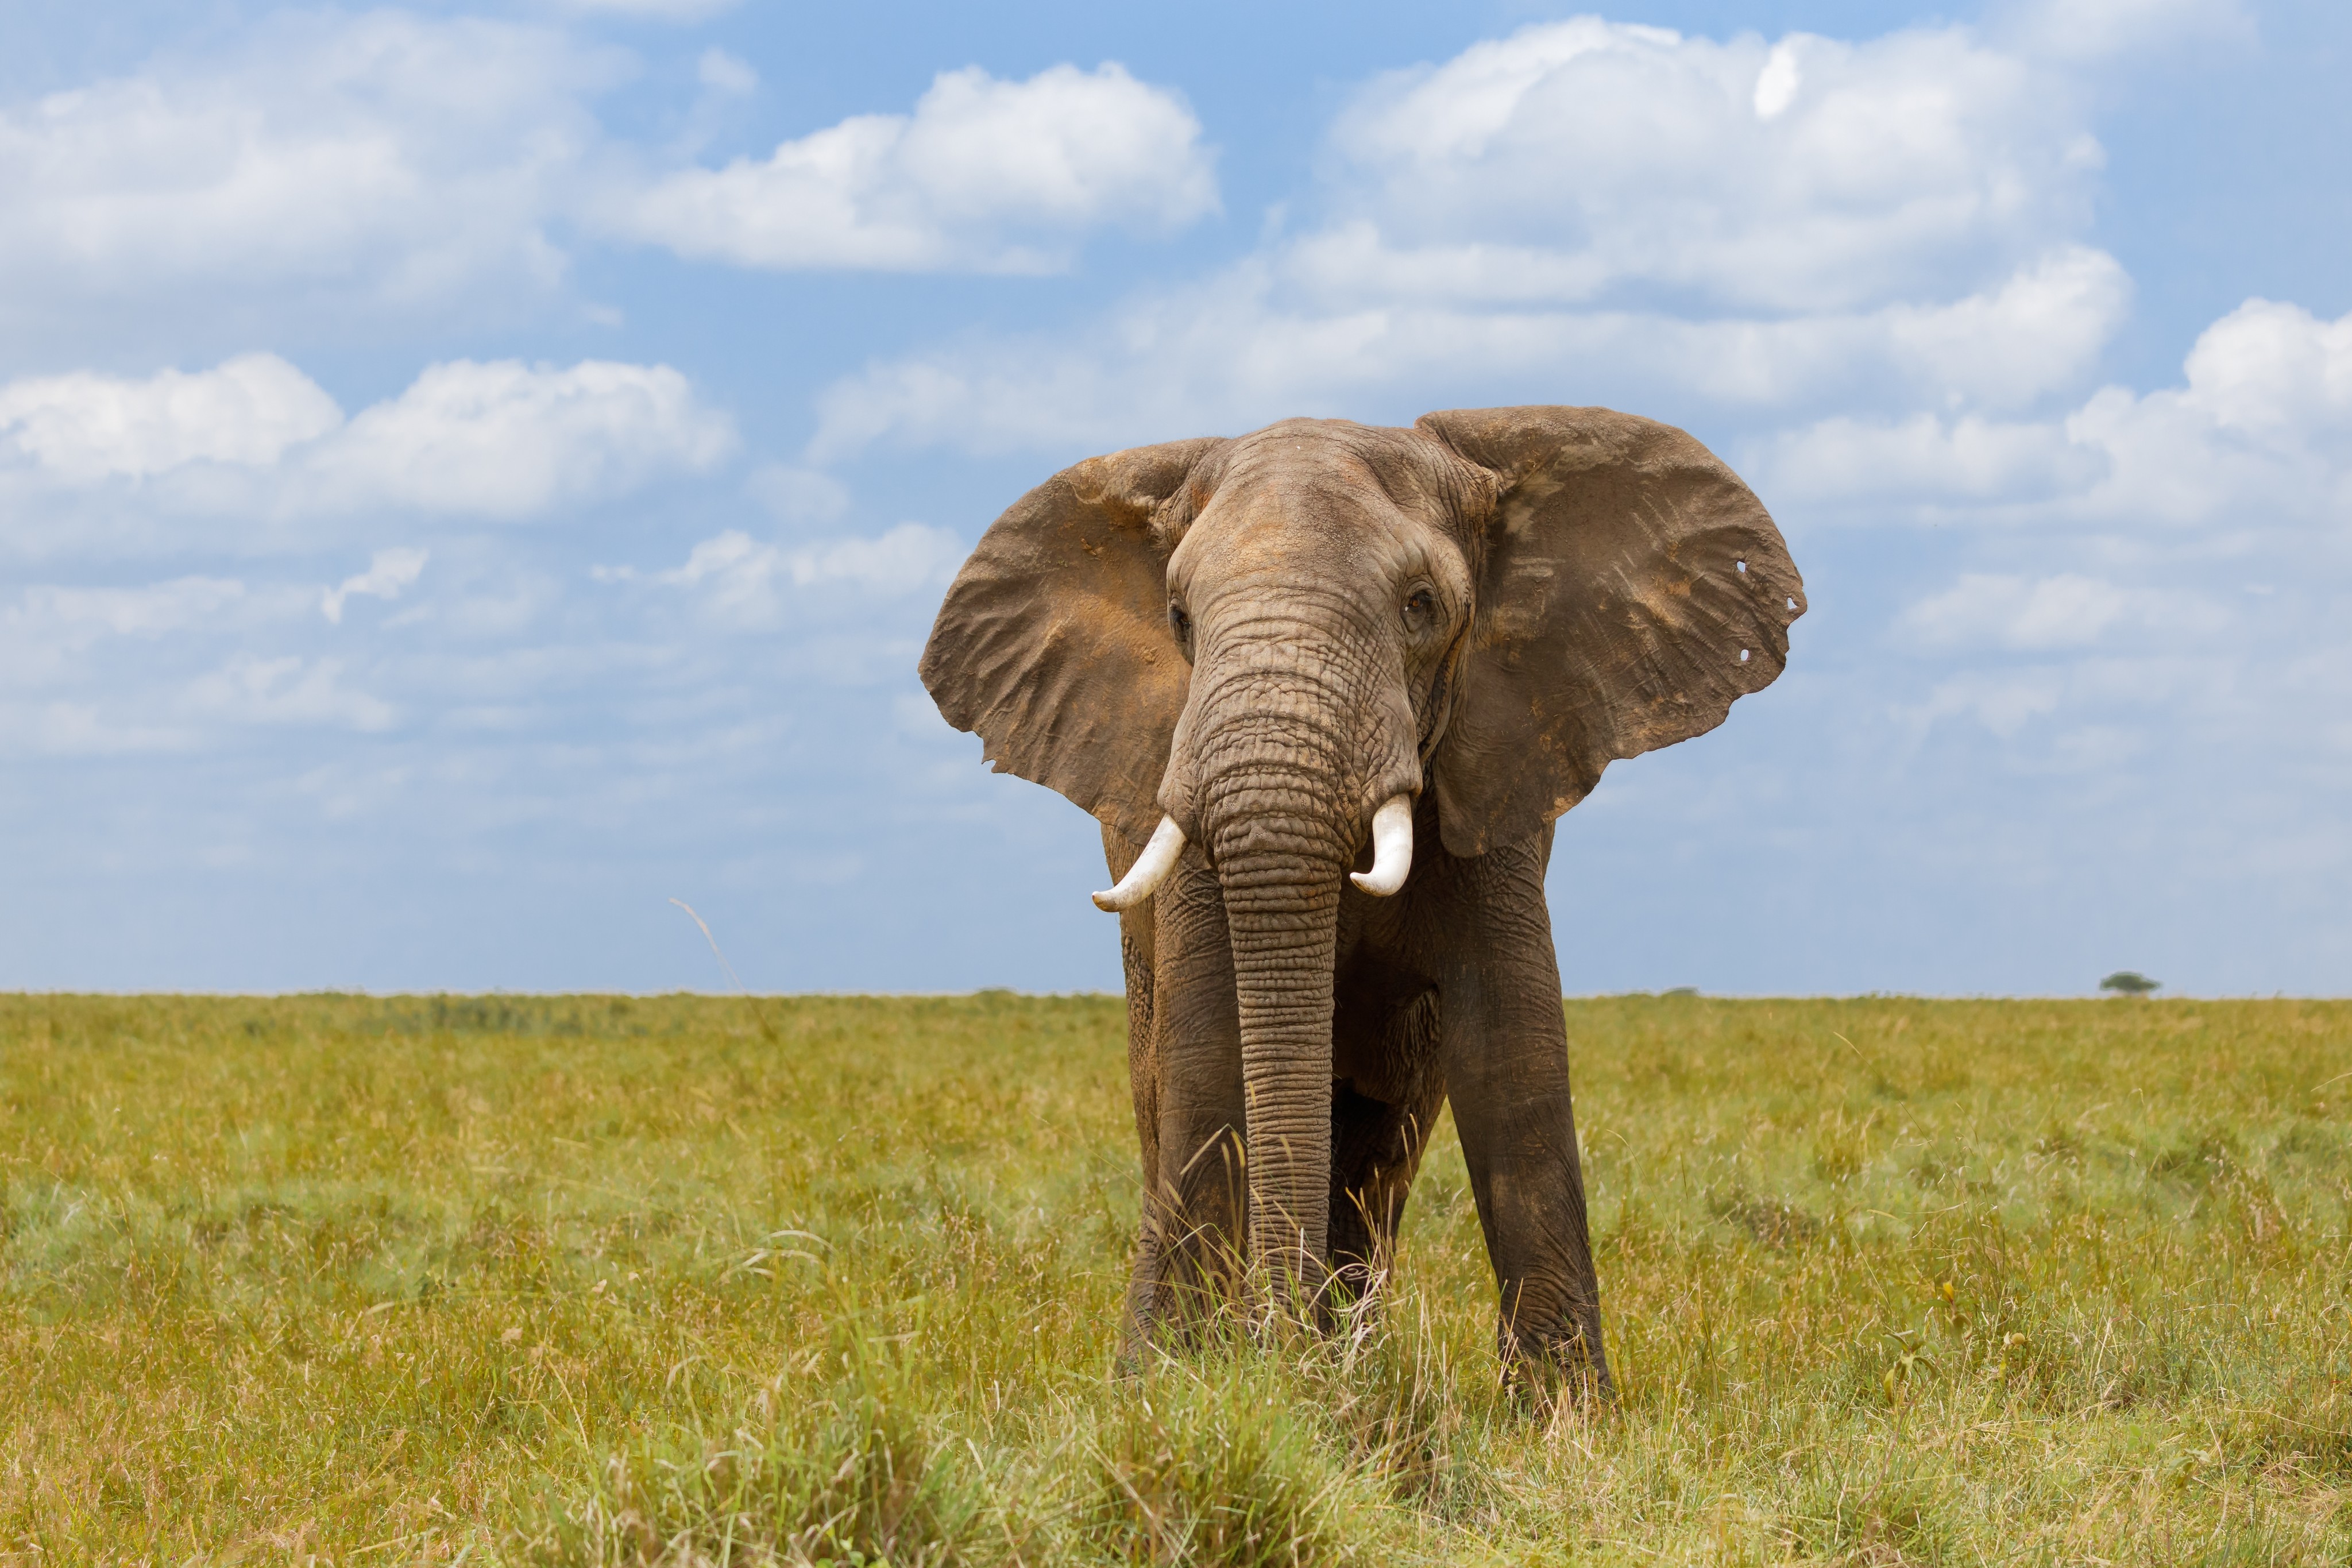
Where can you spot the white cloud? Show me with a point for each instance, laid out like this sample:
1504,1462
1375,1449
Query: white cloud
726,73
508,440
742,582
254,435
1237,352
2038,331
2259,436
385,158
2004,702
1926,458
798,495
985,175
2264,427
2092,30
1589,211
411,165
77,730
2276,373
1778,83
83,427
44,634
2097,712
94,683
2065,611
1577,158
75,614
648,10
388,572
251,690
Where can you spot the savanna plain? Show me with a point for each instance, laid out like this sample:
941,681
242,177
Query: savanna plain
589,1279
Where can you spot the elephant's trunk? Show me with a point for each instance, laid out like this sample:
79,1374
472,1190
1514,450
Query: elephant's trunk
1282,911
1281,828
1281,871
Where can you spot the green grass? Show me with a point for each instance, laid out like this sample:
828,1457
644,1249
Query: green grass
583,1280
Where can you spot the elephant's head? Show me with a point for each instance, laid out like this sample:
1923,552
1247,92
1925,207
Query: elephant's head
1267,645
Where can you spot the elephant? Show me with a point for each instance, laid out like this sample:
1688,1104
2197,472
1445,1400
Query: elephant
1327,688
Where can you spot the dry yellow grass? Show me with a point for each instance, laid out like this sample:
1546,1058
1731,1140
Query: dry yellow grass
582,1279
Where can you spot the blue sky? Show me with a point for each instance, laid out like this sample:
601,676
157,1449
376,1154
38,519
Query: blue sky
469,477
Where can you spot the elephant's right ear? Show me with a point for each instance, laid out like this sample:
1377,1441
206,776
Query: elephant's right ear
1054,645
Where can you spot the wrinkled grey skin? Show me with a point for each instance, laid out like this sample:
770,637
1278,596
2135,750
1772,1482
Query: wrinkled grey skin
1267,638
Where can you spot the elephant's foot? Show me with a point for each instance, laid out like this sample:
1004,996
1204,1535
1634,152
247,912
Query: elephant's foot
1564,1363
1188,1279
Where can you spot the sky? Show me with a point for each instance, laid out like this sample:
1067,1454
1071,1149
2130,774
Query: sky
472,476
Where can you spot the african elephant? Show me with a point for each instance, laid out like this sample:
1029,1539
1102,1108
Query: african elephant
1264,662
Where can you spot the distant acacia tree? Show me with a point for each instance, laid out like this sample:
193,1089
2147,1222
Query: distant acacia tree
2130,983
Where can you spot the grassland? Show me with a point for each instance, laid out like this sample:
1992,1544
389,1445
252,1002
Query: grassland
583,1280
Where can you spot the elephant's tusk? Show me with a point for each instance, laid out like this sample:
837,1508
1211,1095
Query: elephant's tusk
1151,868
1391,850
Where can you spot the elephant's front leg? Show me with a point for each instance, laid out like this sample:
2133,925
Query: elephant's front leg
1505,1054
1195,1197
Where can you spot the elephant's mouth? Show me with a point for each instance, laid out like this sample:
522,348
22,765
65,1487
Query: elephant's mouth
1391,858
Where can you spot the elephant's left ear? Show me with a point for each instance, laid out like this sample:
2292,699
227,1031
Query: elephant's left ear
1054,645
1632,589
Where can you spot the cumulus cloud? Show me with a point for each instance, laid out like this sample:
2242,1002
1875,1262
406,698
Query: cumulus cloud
742,582
2093,29
2065,611
985,174
386,158
2259,435
2086,710
91,681
1579,159
2182,548
2263,427
1590,212
498,440
1927,458
84,426
411,166
503,440
1238,351
647,10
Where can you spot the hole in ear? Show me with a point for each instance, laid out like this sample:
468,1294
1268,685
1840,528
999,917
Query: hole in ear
1741,564
1743,655
1792,603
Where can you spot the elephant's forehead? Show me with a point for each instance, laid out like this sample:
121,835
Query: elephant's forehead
1352,540
1295,516
1338,452
1330,476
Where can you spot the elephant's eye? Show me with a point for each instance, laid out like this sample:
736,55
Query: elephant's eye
1182,624
1419,611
